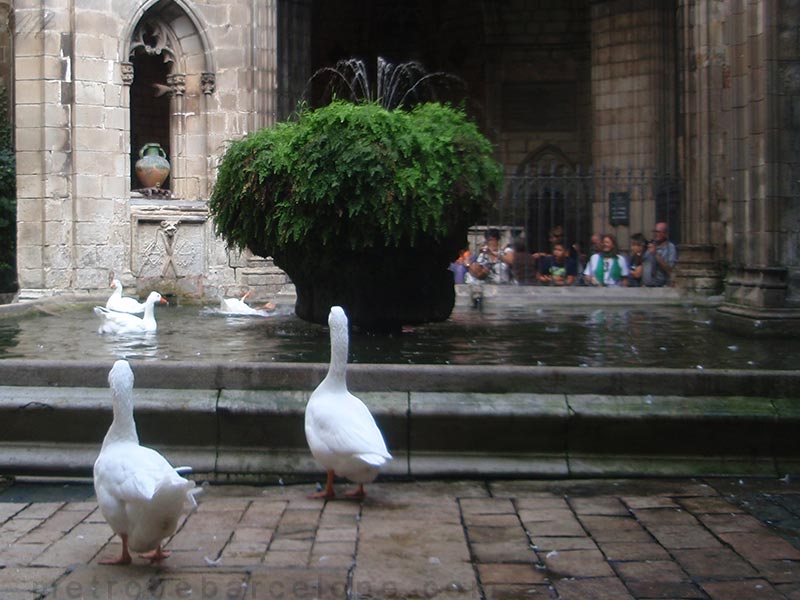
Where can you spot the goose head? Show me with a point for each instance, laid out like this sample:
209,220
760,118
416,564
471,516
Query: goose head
120,378
155,298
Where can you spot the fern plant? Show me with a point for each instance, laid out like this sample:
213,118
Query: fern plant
347,181
354,175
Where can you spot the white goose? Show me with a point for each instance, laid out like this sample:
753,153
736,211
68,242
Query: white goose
238,306
121,303
139,493
118,322
340,430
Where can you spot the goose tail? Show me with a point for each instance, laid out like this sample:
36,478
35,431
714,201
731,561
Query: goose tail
173,488
375,460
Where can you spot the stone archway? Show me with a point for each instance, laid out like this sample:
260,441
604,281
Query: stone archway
169,72
550,192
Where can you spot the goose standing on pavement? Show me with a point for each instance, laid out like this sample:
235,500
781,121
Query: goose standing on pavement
116,301
139,493
118,322
340,430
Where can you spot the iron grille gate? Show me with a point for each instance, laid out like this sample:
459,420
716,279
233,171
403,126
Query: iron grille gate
624,201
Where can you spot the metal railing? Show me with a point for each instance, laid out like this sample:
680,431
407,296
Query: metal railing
582,202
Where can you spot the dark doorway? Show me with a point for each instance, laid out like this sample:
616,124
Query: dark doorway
150,108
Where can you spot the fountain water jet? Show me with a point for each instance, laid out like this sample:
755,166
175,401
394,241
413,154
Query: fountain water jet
396,86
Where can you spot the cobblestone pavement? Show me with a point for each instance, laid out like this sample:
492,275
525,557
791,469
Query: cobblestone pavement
721,539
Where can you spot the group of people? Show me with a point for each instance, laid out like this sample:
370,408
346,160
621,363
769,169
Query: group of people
650,263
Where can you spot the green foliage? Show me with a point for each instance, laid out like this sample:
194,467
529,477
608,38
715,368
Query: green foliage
8,199
354,175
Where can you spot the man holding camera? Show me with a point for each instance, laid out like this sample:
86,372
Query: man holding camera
492,264
660,258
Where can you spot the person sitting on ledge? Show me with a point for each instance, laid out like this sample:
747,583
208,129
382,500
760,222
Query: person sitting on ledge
524,264
660,258
607,268
636,264
490,266
558,268
460,266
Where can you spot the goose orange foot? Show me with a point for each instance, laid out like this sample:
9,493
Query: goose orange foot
328,492
156,555
125,557
359,493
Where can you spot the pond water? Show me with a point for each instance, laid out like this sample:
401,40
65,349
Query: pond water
608,336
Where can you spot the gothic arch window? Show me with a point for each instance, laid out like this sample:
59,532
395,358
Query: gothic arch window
553,193
151,92
169,76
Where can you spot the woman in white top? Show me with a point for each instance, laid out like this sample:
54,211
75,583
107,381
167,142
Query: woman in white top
608,267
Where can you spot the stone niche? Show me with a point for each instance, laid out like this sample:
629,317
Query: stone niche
169,245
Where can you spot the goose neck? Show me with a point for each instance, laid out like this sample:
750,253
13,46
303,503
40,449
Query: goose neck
123,427
339,346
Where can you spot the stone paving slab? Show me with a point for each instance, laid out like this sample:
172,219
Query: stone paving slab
712,539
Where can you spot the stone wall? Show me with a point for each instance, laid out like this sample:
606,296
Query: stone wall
633,104
78,219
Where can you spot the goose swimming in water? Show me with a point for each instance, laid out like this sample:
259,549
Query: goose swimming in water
125,304
118,322
139,493
341,432
238,306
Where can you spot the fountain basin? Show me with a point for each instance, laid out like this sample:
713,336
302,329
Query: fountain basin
570,327
235,413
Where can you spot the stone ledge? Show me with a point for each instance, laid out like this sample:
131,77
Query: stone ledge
235,435
410,378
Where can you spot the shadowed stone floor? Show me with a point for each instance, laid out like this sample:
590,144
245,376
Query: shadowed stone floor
720,539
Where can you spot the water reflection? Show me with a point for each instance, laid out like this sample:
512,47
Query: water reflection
673,337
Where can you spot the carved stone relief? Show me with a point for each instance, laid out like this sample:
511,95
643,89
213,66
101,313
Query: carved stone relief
168,248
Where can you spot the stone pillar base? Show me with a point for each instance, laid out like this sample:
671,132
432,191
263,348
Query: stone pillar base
756,287
755,303
697,270
763,322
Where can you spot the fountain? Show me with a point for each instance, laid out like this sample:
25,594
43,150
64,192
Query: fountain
584,385
404,85
362,205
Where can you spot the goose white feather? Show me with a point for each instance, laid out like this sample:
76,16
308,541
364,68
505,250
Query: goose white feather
340,430
139,493
238,306
120,322
121,303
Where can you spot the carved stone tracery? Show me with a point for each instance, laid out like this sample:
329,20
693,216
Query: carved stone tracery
177,83
151,38
208,83
127,73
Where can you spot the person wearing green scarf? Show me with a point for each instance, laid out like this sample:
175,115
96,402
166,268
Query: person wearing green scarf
608,267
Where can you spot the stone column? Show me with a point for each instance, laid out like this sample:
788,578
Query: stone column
265,63
762,146
295,43
633,107
70,134
703,88
43,46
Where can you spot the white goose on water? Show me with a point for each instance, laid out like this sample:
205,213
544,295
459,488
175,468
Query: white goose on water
341,432
238,306
121,303
118,322
139,493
